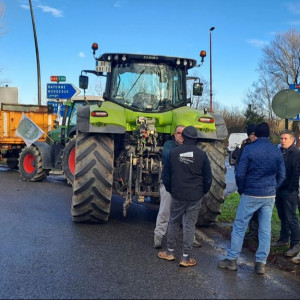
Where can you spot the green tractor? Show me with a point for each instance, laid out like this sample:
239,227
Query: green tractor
119,141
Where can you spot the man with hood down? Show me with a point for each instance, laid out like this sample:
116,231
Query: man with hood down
187,177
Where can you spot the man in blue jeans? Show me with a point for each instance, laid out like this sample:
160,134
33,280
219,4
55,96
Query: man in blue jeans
260,172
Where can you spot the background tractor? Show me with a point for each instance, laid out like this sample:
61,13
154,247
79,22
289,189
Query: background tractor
119,141
57,152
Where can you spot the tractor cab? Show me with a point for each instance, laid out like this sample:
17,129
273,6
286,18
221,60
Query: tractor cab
151,83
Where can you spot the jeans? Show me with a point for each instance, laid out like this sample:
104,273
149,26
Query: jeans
185,212
286,203
248,205
163,215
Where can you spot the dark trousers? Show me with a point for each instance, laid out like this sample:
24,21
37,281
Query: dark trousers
185,213
287,204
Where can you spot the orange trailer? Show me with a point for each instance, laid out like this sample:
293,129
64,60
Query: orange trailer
10,116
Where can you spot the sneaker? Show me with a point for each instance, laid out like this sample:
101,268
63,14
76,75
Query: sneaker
279,243
157,242
196,243
260,268
293,250
230,264
167,255
187,262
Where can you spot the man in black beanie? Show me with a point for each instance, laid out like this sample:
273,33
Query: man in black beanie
187,177
236,154
258,175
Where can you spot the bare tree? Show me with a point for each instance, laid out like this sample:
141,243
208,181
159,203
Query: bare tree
281,59
234,119
278,68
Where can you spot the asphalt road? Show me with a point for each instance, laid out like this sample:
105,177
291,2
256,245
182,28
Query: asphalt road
44,255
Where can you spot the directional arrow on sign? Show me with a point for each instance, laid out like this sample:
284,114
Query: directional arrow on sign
61,90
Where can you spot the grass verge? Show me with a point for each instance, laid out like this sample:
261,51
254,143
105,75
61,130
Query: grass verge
229,208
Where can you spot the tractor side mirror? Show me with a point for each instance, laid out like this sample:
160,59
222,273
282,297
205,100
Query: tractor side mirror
197,89
83,82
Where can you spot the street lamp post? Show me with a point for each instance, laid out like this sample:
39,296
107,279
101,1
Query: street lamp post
210,60
37,54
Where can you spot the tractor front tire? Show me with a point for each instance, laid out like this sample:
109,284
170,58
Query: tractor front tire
30,165
68,160
93,179
211,203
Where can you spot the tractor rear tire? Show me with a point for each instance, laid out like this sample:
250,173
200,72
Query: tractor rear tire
93,179
68,160
211,203
30,165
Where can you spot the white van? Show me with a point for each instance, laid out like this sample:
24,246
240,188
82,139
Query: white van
235,139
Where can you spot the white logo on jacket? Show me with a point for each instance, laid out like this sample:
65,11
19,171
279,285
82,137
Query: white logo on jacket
187,157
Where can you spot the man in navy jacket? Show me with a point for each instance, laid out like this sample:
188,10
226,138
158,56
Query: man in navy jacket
259,174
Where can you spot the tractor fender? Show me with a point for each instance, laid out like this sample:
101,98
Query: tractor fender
83,123
45,150
221,128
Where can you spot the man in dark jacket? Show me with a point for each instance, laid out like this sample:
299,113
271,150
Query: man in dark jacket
259,173
287,196
236,154
187,177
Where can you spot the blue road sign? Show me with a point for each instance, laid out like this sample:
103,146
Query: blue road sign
297,118
61,91
295,87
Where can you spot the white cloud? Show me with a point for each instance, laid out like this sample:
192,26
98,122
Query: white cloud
47,9
81,54
293,7
257,43
55,12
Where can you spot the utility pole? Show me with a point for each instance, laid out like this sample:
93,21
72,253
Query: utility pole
210,64
37,55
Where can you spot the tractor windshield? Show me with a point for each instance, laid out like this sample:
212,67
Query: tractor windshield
147,86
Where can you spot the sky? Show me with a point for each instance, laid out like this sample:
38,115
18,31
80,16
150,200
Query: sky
66,30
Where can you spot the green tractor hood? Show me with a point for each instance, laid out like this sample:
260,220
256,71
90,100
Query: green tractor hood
113,118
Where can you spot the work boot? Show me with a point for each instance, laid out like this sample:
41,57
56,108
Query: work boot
196,243
260,268
293,250
187,261
167,255
230,264
157,242
279,243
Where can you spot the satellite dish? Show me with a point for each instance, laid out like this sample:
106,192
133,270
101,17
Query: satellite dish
286,104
